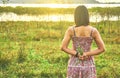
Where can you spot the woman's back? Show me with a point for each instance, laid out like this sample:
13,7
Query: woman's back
82,37
83,31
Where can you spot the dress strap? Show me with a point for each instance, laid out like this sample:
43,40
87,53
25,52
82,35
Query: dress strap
74,31
91,32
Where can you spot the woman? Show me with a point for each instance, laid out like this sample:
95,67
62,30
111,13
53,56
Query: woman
82,35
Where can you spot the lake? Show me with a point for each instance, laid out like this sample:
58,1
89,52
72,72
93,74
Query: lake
56,17
53,17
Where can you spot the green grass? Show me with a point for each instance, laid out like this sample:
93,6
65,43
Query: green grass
32,50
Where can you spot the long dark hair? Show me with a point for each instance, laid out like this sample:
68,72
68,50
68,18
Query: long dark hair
81,16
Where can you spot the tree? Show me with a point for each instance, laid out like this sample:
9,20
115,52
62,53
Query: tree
5,1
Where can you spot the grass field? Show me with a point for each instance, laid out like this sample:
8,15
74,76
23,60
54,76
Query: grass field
32,50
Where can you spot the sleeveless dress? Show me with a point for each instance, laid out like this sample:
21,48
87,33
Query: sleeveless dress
78,68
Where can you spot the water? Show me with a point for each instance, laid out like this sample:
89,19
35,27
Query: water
58,17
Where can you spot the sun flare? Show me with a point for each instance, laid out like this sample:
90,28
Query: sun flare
53,5
54,18
56,5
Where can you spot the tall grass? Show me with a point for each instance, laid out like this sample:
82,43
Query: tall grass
31,50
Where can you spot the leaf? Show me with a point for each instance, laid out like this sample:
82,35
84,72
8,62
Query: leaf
79,50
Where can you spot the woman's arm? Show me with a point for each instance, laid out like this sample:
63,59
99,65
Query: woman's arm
99,42
65,42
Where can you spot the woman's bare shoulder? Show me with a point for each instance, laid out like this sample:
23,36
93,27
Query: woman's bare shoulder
70,28
94,31
93,28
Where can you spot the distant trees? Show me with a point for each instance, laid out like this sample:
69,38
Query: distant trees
5,1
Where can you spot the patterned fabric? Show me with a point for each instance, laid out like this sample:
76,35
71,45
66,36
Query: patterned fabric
78,68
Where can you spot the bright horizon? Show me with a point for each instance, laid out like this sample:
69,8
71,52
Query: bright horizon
61,5
108,1
61,1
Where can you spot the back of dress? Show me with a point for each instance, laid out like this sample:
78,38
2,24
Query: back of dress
85,44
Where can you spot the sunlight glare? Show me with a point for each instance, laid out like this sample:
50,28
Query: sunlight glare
56,6
53,6
54,18
61,5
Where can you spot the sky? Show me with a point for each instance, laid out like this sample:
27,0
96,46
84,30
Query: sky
61,1
108,1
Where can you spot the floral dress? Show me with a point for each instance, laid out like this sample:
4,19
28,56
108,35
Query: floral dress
78,68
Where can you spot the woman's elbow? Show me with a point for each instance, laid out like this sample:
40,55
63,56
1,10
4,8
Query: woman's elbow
102,50
62,48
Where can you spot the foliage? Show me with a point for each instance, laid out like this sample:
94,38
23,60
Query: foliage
36,10
5,1
31,49
111,11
